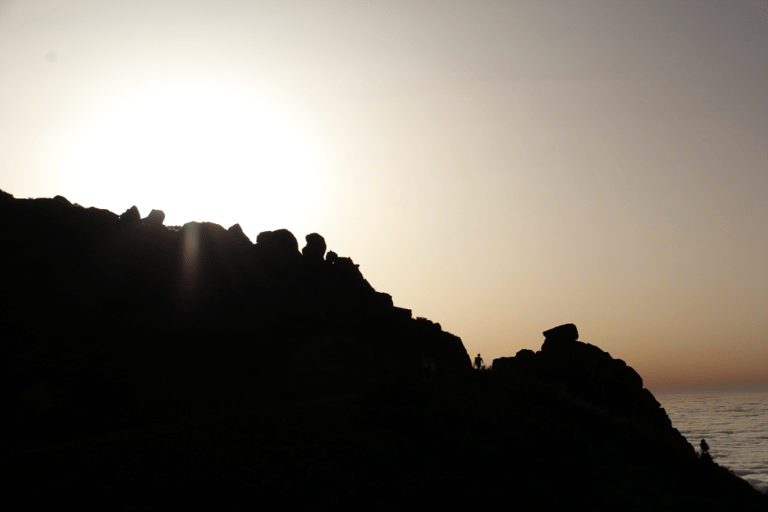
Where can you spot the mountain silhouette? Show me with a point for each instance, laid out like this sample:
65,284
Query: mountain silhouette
153,367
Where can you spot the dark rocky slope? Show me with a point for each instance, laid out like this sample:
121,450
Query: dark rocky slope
146,367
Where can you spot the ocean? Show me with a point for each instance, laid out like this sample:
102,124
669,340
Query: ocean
734,424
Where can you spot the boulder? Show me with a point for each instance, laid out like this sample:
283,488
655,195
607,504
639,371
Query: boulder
155,217
131,215
279,246
237,238
315,249
557,337
566,332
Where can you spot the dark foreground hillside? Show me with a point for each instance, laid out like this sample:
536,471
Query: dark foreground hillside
151,368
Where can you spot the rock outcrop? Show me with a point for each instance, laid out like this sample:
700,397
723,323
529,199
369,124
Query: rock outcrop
586,372
148,368
155,218
314,251
237,238
277,247
562,335
131,215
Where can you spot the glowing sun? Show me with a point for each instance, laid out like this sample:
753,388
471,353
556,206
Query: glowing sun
197,151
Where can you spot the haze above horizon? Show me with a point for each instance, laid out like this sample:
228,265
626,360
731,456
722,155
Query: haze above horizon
498,167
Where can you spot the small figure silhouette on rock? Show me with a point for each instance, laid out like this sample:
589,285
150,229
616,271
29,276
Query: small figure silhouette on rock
478,362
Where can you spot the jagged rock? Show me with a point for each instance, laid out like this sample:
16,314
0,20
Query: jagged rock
131,215
5,196
155,217
315,248
180,350
331,257
62,200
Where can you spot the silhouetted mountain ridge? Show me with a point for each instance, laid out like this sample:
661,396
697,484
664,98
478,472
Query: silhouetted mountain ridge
151,367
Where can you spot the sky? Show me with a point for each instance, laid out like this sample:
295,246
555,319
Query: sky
499,167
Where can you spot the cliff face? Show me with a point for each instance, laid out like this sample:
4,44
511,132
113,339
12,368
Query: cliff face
153,368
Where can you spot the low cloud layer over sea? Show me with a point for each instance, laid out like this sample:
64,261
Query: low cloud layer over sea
735,425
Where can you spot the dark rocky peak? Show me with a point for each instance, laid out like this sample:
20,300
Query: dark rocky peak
314,251
155,218
587,373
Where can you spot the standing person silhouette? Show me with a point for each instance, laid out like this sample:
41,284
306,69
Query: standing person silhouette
478,362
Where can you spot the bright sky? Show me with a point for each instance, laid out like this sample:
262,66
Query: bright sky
499,167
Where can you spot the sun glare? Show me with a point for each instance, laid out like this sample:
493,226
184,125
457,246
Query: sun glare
198,152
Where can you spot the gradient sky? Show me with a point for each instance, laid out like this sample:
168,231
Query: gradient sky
498,167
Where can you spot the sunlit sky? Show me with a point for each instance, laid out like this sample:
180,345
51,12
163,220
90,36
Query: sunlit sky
498,167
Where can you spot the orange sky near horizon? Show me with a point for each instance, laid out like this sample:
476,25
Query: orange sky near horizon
498,167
